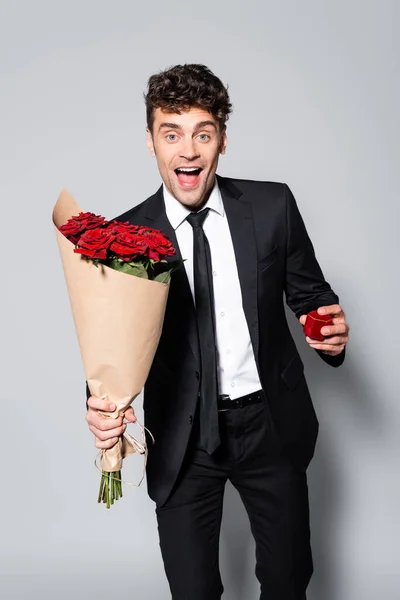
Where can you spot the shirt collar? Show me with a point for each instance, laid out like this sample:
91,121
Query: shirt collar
177,212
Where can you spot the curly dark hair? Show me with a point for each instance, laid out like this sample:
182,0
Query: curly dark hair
181,87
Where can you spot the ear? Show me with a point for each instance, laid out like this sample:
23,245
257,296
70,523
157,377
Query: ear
149,142
224,141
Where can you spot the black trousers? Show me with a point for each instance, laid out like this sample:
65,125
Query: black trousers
274,494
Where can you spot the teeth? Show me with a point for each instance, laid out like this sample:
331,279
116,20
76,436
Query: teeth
188,170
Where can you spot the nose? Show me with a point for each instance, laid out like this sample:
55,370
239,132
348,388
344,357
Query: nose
188,149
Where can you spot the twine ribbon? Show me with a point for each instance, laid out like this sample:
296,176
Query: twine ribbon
139,447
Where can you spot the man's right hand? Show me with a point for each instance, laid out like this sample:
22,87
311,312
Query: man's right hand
106,431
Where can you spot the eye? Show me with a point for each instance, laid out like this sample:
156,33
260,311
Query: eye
171,135
204,135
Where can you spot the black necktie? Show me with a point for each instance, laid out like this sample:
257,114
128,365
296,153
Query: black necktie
203,291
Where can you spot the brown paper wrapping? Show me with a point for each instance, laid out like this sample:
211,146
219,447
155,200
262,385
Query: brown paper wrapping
118,320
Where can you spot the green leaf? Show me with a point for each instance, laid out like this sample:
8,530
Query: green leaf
163,277
161,271
133,268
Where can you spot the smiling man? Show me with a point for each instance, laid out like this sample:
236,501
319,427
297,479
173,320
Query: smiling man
226,397
187,147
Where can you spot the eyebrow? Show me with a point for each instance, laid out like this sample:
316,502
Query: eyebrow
199,125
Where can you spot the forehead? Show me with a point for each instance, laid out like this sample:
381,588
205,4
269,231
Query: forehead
187,119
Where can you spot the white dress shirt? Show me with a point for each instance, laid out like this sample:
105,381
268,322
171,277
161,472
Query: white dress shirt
237,371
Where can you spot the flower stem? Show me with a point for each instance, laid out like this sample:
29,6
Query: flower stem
110,488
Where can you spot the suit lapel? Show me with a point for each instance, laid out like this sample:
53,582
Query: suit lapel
180,294
241,225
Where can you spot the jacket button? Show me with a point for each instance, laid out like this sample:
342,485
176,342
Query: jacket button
190,419
197,375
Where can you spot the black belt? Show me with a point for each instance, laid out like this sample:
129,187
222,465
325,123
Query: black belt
227,403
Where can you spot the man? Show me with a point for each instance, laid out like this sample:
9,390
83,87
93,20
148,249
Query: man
226,396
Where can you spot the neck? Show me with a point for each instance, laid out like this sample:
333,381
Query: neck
203,201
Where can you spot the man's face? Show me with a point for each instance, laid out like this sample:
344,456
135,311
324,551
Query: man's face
187,148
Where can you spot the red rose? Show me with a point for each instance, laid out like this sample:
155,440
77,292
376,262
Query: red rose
76,225
143,229
119,227
159,245
94,243
128,246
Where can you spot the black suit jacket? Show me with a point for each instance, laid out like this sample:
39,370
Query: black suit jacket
275,258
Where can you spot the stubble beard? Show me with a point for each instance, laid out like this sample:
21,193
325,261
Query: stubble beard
193,199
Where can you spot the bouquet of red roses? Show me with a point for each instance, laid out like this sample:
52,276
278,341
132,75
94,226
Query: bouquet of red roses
118,319
133,249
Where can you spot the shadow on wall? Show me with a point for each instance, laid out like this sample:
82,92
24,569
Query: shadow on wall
326,485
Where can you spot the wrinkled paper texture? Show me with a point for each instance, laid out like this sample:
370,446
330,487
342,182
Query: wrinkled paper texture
118,320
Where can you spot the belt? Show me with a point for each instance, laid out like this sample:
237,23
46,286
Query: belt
225,402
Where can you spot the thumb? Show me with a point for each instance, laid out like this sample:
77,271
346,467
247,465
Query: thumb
302,319
130,415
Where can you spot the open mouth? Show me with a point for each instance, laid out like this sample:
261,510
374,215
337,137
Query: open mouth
188,177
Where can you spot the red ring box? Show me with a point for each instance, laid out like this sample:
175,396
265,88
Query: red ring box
313,324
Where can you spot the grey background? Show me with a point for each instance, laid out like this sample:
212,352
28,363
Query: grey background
316,94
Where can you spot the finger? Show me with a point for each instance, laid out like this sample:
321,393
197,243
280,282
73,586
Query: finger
102,423
332,349
302,319
338,319
329,341
106,444
340,329
328,347
106,435
331,309
130,415
336,340
99,403
341,322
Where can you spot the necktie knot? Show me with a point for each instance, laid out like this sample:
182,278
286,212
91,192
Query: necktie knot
196,219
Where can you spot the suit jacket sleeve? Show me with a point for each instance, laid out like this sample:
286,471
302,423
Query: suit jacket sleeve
305,286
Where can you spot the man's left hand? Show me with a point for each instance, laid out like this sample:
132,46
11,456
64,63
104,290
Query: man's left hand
337,334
